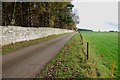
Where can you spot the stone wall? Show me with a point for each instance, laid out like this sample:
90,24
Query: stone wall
12,34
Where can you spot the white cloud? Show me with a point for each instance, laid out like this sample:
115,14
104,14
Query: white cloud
94,14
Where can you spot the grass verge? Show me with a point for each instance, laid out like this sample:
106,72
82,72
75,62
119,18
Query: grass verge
18,45
70,62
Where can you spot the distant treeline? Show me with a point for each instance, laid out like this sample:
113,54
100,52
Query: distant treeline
39,14
113,31
84,30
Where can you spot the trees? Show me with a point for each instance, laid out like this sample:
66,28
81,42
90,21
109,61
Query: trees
7,11
38,14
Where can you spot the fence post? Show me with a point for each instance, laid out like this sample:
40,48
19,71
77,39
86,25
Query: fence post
81,38
87,50
112,71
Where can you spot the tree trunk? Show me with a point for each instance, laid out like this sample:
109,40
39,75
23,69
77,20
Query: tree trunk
13,16
30,18
21,14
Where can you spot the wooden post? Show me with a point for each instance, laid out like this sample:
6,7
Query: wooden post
112,71
81,38
87,50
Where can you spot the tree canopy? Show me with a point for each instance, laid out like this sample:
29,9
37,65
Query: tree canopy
39,14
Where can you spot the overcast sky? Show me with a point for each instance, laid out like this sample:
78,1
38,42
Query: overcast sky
97,14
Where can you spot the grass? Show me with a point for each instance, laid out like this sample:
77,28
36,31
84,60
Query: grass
104,50
70,62
13,47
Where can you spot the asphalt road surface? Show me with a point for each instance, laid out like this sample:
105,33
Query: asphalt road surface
27,62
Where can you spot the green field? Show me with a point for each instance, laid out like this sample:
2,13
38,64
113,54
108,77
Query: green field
104,50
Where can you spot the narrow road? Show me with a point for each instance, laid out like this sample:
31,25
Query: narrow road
27,62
